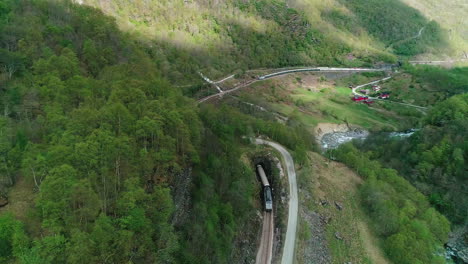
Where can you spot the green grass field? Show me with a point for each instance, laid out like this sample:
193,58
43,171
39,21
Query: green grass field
335,105
311,103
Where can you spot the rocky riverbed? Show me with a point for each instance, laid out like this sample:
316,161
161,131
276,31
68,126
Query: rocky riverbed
331,136
334,140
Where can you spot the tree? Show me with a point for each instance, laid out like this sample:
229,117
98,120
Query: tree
11,63
55,198
9,229
438,224
104,238
80,248
51,249
35,165
85,203
6,138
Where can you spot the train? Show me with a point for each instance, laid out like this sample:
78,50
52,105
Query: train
267,195
317,69
287,71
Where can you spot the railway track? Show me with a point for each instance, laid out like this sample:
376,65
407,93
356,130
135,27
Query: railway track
284,72
265,251
293,205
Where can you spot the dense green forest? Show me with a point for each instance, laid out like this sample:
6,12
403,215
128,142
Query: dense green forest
434,158
92,120
92,123
440,83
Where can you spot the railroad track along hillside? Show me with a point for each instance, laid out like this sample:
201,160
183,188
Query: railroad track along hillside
265,251
293,204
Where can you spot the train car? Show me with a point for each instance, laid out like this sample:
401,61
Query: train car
263,176
267,195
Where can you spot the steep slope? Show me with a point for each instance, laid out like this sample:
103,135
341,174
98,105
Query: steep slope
219,37
102,143
451,15
224,36
387,25
434,158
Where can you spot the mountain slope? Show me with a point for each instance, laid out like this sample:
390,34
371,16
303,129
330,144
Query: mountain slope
451,15
220,37
103,144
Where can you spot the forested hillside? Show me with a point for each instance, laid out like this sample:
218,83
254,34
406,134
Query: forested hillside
90,122
434,158
94,122
424,85
434,161
397,25
450,15
411,230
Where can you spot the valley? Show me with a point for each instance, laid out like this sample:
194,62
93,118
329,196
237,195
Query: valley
233,131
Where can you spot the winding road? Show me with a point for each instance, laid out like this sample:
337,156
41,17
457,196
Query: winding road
363,85
375,98
288,250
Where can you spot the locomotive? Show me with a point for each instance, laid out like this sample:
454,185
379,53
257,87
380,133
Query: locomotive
267,195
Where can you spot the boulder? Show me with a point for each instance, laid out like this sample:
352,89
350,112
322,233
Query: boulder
323,202
338,206
338,236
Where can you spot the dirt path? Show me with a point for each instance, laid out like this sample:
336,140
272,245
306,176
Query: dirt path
225,79
288,251
407,39
363,85
265,252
